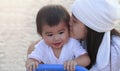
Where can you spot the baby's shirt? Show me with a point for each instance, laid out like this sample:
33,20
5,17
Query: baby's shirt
44,53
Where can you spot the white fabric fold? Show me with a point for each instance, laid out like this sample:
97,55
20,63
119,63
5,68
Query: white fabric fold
99,15
103,56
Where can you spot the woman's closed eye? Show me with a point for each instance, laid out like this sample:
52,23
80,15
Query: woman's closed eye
74,21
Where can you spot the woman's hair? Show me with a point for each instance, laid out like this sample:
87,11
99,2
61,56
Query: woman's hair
115,32
51,15
93,42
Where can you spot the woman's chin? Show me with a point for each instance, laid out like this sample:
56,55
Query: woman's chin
75,37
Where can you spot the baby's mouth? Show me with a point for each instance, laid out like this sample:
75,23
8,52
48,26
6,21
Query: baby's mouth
57,44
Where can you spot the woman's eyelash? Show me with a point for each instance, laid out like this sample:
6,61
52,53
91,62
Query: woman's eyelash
74,21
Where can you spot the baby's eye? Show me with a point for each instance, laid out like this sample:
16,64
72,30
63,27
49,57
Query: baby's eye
49,34
61,32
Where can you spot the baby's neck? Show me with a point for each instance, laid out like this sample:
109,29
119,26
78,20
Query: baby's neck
57,52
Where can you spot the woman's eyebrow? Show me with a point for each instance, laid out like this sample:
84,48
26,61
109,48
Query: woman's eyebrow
74,16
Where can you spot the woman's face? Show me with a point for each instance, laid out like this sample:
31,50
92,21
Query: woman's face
77,28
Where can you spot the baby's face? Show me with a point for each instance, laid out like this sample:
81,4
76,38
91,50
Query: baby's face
55,36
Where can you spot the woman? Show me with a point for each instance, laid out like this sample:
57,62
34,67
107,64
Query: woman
93,24
102,40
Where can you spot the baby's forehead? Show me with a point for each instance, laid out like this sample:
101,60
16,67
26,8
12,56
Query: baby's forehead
55,24
58,25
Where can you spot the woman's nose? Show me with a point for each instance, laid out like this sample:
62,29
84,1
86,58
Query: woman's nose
71,25
71,30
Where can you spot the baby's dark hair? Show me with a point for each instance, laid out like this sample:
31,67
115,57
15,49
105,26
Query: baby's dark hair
51,15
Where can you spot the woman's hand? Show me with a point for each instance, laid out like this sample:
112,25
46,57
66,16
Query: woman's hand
70,65
31,64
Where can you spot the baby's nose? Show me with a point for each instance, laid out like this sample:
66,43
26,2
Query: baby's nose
56,38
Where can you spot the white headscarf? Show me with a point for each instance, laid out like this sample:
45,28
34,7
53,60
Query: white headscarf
99,15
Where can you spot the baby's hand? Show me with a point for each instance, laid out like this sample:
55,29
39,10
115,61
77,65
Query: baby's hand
31,64
70,65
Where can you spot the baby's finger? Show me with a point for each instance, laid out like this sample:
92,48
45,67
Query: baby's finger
65,65
30,68
71,66
68,65
33,67
36,64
